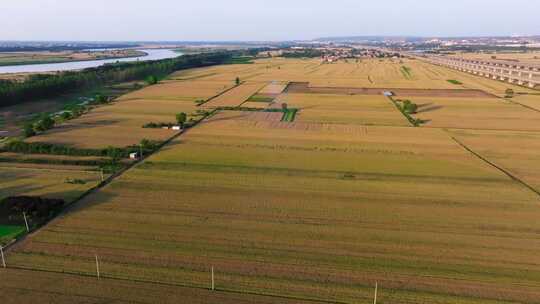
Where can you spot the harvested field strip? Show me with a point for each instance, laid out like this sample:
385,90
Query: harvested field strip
325,174
306,89
498,168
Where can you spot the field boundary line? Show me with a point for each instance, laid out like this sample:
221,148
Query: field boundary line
409,118
219,94
222,290
507,173
520,104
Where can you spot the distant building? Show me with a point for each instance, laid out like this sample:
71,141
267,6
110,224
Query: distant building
388,94
134,155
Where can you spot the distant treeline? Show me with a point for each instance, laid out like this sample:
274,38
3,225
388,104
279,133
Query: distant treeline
43,86
307,53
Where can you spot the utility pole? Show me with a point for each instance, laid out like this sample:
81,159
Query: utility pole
26,222
97,267
102,176
213,286
3,259
376,289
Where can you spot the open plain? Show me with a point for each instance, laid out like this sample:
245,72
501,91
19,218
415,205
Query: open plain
319,209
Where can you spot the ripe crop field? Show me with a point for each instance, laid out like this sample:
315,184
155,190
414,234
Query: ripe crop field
345,109
189,90
530,57
320,209
120,124
69,289
514,151
532,101
478,113
45,180
236,96
313,214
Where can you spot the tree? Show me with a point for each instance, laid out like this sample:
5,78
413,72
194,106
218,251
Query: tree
284,106
45,123
151,80
237,80
66,115
146,144
181,118
509,93
29,130
114,153
409,108
101,99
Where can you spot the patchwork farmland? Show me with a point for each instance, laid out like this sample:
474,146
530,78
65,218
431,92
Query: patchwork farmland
347,195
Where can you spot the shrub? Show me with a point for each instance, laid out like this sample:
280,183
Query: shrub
29,130
45,124
151,80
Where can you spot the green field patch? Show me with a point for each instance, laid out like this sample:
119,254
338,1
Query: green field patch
456,82
261,98
289,115
9,232
406,71
240,60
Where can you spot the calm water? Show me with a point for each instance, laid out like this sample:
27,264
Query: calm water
153,54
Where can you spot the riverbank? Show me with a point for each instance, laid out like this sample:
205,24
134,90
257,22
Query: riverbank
151,54
29,58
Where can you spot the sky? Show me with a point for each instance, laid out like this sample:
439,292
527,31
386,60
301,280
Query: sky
261,20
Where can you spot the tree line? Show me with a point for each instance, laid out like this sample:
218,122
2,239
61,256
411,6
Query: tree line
42,86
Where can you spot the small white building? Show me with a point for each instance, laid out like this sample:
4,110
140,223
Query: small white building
134,155
388,94
177,128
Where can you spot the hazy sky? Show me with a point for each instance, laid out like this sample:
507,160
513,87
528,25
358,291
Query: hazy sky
261,20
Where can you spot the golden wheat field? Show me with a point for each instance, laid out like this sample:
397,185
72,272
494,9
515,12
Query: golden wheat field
344,109
236,96
45,180
348,195
475,113
530,57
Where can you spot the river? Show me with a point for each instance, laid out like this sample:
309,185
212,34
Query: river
152,54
